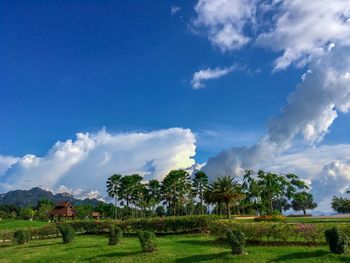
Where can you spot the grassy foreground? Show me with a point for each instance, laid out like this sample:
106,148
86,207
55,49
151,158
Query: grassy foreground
175,248
15,223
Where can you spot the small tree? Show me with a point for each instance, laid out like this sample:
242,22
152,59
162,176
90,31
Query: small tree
27,213
336,240
147,241
21,236
67,233
237,241
303,201
115,235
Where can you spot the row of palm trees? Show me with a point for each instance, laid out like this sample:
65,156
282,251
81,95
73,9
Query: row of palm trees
177,192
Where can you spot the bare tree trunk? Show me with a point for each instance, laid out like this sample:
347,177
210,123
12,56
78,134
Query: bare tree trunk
228,209
116,208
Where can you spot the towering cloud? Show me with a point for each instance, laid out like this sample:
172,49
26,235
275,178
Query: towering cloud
85,163
311,34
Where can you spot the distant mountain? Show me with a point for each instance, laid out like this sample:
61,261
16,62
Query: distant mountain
31,197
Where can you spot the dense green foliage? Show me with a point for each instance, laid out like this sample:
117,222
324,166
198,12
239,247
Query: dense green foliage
303,201
147,241
115,235
337,241
236,240
263,189
67,232
341,205
21,236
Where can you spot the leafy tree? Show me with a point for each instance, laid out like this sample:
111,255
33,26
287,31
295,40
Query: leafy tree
113,188
341,205
303,201
27,213
106,210
281,204
160,211
200,184
84,210
264,187
43,208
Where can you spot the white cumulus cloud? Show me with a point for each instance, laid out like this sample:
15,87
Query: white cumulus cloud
81,166
304,30
225,21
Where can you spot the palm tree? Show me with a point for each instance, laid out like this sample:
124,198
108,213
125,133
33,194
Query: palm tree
128,186
175,187
153,187
113,186
226,190
200,183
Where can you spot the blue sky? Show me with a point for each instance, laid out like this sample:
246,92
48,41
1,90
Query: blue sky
221,71
69,66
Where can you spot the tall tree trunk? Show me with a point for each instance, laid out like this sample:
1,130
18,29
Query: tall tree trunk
116,207
271,206
201,193
304,210
228,209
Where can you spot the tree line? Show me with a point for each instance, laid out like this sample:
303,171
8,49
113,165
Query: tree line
179,194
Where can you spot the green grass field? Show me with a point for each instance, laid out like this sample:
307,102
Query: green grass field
175,248
14,224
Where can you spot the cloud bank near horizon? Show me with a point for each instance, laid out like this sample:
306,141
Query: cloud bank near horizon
81,166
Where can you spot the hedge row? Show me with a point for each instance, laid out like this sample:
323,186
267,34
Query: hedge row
45,232
165,225
283,232
256,231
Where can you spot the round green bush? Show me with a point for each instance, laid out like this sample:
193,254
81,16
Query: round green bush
237,241
115,235
21,236
147,241
67,233
337,241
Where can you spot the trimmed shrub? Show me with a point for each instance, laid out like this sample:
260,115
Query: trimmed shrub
67,233
115,235
21,236
147,241
336,240
236,240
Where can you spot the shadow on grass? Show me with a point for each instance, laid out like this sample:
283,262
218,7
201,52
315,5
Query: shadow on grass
301,256
203,258
44,245
114,254
209,243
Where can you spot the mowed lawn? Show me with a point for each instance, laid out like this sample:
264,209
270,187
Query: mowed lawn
174,248
15,223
